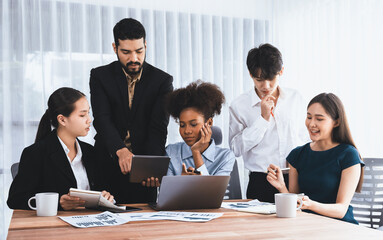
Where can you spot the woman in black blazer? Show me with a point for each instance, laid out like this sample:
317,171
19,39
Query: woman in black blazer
58,161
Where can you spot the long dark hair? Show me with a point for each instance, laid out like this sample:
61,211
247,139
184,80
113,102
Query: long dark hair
61,102
340,134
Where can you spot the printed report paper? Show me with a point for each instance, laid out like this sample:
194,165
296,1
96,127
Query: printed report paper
95,220
173,215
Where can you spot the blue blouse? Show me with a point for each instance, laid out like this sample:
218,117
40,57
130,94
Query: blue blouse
218,161
319,172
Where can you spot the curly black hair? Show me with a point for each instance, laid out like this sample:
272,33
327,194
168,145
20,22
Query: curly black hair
205,97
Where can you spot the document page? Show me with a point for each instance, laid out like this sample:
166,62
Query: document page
95,220
253,206
173,215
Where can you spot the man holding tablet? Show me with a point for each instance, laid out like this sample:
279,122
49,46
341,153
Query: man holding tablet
129,116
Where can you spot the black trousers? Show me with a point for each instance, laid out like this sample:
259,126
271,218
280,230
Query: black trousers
259,188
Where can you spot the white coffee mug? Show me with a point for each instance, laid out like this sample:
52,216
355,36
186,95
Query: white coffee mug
286,204
46,203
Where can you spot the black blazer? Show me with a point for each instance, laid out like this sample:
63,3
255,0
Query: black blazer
44,167
147,121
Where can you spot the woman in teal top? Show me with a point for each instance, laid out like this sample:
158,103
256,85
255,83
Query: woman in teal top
329,169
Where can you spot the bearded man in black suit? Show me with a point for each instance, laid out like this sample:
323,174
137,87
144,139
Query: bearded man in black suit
127,99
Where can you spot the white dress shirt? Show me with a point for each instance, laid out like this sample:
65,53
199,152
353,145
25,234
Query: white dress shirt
77,167
261,142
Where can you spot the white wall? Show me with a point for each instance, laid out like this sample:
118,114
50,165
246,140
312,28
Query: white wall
336,46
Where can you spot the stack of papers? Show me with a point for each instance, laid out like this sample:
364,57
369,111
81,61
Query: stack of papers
253,206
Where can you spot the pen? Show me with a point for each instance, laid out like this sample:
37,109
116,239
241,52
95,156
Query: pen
272,114
282,169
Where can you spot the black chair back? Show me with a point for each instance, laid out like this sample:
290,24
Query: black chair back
216,134
233,190
14,169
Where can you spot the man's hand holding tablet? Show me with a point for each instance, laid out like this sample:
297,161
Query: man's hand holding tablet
151,182
149,170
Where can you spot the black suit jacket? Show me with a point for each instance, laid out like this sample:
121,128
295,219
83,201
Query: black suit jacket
44,167
147,121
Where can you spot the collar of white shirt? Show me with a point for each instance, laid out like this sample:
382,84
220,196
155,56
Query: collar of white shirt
66,150
209,153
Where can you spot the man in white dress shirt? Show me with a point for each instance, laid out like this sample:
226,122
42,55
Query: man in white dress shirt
267,122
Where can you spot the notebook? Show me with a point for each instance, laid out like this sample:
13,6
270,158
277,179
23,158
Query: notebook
95,200
191,192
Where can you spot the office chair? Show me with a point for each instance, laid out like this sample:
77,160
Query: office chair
216,134
368,204
14,169
233,190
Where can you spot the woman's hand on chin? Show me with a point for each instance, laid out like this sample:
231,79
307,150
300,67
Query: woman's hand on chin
204,141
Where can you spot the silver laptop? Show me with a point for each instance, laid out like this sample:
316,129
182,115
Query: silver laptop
191,192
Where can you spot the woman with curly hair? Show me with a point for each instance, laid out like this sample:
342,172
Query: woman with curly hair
194,107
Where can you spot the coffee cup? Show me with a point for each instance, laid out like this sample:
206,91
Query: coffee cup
46,203
286,204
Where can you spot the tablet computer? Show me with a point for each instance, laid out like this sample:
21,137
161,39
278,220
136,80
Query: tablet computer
144,167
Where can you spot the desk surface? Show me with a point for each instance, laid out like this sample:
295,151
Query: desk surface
232,225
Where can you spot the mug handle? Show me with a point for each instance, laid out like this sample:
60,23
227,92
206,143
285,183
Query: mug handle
300,203
29,203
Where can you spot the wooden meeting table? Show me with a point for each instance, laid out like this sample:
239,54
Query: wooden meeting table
232,225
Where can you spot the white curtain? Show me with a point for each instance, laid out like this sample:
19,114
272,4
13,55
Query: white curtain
47,44
336,46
